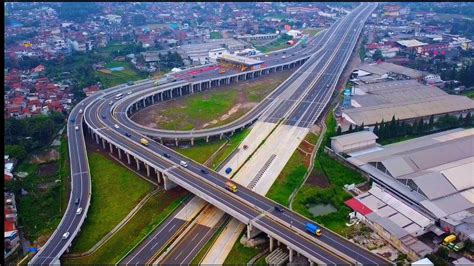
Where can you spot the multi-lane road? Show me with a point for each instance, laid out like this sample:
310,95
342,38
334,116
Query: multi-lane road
244,205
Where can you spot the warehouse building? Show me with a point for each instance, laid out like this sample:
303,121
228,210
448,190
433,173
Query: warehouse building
376,72
432,175
405,99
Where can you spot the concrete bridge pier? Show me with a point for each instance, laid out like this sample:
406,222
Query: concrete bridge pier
128,158
138,164
221,136
111,148
290,259
176,142
103,143
207,139
311,263
192,141
271,243
119,153
252,232
168,184
147,169
159,176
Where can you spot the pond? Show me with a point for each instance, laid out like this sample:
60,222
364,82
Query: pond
321,209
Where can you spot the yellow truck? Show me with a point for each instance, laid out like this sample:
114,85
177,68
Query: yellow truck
449,239
231,186
144,142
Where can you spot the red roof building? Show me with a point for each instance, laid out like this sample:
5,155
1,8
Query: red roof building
358,206
38,69
9,226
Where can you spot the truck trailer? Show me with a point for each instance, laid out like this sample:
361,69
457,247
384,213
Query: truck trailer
313,229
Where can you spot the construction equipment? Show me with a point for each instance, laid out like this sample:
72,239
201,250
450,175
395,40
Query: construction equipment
313,229
447,240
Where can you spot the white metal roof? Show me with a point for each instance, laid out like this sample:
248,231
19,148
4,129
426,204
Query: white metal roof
356,137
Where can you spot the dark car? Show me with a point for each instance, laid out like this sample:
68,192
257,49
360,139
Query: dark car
73,120
204,171
103,116
77,201
166,155
278,209
128,134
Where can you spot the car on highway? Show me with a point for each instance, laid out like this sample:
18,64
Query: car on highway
77,127
144,142
183,164
73,120
130,83
77,201
278,209
111,102
128,134
66,235
116,126
80,111
78,211
166,155
228,170
231,186
129,92
204,171
103,116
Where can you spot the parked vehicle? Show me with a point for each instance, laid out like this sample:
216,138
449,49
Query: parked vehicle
313,229
447,240
231,186
144,142
458,247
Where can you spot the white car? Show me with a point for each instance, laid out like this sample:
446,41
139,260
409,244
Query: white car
80,111
77,127
66,235
116,126
111,102
130,92
183,164
79,211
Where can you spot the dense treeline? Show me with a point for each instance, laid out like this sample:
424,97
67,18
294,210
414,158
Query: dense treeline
396,128
23,136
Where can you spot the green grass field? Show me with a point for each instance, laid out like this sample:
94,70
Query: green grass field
201,151
215,35
153,213
64,173
469,94
112,199
119,77
278,44
288,180
194,110
338,175
311,31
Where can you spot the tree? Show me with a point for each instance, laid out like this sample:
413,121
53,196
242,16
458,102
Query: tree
361,128
377,55
431,122
376,129
468,119
338,131
16,151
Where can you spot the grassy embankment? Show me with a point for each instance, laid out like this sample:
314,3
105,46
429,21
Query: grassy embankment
153,213
277,44
240,255
337,176
112,199
215,35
